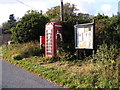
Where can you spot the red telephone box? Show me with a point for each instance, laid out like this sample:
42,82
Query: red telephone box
52,31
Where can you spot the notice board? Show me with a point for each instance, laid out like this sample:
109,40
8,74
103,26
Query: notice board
84,36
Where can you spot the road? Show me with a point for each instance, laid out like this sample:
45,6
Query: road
15,77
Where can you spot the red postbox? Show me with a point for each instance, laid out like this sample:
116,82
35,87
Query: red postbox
52,35
42,41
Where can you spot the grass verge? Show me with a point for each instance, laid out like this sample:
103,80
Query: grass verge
72,74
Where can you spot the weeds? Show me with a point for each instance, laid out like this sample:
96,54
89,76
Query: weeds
102,73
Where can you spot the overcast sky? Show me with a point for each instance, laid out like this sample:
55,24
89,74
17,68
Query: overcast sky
92,7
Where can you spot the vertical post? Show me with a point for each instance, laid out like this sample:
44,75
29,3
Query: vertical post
93,54
93,39
40,41
61,11
93,34
78,54
84,53
41,12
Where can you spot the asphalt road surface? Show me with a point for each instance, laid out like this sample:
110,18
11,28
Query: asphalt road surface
15,77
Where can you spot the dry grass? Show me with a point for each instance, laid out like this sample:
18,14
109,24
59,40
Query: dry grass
77,74
83,69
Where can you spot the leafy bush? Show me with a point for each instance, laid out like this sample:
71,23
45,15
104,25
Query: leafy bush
33,51
20,51
106,59
29,28
66,56
17,57
87,75
106,54
7,32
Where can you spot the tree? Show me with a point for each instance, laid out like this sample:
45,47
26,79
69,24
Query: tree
99,16
113,30
100,27
69,11
54,12
70,19
12,20
9,24
107,29
30,27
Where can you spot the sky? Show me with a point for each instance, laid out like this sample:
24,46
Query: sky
20,7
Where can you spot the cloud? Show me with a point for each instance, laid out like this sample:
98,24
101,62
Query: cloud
108,0
106,9
18,9
84,6
8,7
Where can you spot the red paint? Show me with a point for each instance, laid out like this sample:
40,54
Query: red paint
42,40
51,31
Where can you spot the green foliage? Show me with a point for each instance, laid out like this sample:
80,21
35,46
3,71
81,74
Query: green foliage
69,11
29,28
100,74
68,34
99,16
17,57
107,59
27,50
107,29
112,31
66,56
9,24
33,51
69,14
107,54
70,19
68,38
54,12
7,32
100,27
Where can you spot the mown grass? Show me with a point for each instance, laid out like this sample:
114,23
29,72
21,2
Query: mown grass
100,72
